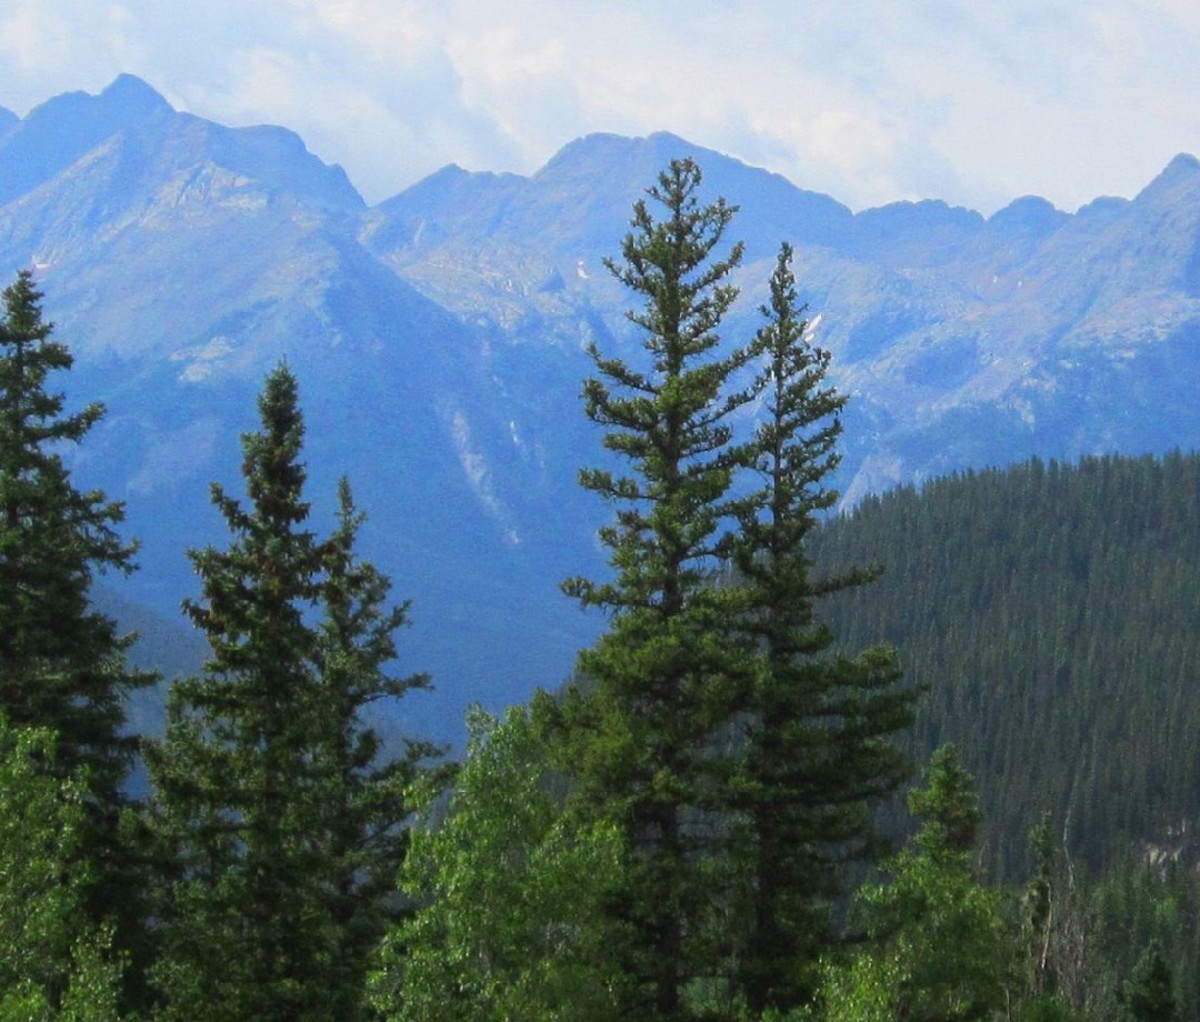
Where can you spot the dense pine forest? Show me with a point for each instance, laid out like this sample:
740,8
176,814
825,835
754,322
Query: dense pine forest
707,821
1045,609
1048,609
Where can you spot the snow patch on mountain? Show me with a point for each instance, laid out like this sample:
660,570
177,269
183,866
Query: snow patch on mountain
202,360
479,475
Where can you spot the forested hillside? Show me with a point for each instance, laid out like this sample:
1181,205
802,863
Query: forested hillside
1050,611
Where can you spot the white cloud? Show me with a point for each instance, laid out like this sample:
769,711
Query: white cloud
28,40
866,99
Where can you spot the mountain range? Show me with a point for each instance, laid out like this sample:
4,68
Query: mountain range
439,338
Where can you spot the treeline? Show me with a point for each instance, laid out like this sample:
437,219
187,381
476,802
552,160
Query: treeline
677,835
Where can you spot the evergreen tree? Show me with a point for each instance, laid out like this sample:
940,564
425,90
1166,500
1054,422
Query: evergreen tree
364,800
660,678
1047,621
943,946
244,935
62,664
816,752
1148,996
948,811
268,799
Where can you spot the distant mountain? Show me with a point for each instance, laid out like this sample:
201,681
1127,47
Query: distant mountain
965,340
439,337
168,646
131,127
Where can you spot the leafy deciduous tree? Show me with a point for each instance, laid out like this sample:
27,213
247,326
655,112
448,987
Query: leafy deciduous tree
55,963
509,891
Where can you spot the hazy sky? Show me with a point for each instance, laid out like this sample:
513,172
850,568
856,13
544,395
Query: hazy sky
972,101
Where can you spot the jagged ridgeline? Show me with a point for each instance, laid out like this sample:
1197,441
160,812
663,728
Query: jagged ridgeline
1051,610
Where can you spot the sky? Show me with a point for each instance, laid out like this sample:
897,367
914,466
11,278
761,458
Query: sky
973,102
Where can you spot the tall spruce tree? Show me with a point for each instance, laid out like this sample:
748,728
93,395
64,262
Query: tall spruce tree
660,679
816,754
244,935
364,799
267,796
62,664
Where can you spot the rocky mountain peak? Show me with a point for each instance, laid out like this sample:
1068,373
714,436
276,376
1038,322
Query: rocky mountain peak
1030,214
60,131
1183,165
132,98
1179,178
151,138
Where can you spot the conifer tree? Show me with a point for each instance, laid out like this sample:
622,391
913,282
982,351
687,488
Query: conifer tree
243,933
268,799
364,800
944,949
1148,996
62,664
660,678
816,752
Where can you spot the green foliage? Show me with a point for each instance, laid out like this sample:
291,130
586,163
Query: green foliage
509,892
662,677
739,752
363,801
280,827
1050,607
55,963
816,751
1141,910
1048,1008
945,946
1047,607
243,930
948,810
62,663
1148,995
865,989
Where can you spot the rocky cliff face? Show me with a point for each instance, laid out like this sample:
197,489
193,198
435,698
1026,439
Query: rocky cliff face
439,342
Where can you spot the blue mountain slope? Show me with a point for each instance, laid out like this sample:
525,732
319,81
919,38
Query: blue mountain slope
60,131
439,339
181,260
129,113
